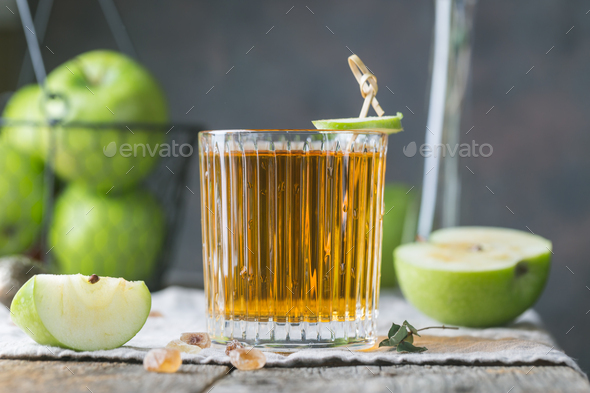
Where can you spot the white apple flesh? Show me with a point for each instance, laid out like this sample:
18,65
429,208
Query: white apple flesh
474,276
70,311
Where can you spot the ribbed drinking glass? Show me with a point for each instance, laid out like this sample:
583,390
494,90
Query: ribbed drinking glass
291,225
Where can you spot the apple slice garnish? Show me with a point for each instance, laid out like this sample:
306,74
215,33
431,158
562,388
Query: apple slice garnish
388,124
474,276
84,313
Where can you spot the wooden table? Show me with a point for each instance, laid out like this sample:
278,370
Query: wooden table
96,377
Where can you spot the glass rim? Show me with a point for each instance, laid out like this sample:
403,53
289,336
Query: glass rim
289,131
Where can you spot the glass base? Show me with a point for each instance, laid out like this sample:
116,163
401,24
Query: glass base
293,336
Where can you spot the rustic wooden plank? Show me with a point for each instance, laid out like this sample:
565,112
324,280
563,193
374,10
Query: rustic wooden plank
406,378
97,377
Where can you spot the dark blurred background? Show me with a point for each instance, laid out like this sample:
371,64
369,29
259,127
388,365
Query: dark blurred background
280,64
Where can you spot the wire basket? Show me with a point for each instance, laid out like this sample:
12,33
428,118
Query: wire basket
92,198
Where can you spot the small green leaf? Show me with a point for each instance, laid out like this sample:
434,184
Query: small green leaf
398,336
402,337
393,329
385,343
407,347
412,328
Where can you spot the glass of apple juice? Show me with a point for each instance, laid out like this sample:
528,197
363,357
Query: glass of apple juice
291,223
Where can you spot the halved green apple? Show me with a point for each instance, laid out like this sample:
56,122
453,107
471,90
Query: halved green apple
81,312
474,276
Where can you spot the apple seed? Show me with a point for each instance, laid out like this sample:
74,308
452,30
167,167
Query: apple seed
476,247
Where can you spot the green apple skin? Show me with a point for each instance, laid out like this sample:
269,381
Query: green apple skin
473,299
24,315
25,105
388,124
113,235
398,223
21,200
105,86
54,313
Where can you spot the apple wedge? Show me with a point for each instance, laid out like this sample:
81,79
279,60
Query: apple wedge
474,276
388,124
81,312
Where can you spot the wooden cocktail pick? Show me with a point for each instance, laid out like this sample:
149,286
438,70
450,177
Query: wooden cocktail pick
368,85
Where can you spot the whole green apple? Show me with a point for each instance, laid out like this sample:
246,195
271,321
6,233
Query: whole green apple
474,276
118,235
25,105
399,226
104,87
21,200
81,312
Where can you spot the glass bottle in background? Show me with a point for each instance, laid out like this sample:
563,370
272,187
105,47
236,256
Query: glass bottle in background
441,186
440,199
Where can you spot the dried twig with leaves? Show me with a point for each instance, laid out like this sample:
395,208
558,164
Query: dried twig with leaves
401,337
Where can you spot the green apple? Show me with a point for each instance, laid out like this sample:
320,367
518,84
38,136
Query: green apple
111,235
21,200
474,276
102,87
388,124
399,225
80,313
25,105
